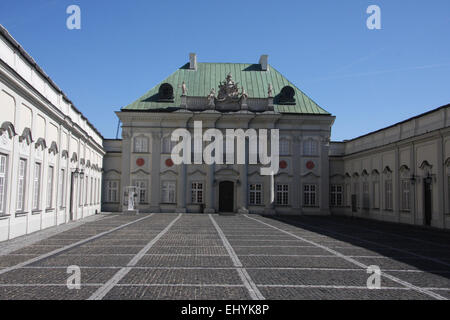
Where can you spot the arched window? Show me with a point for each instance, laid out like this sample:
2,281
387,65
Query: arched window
287,95
165,93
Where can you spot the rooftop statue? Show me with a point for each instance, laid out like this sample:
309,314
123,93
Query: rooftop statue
228,90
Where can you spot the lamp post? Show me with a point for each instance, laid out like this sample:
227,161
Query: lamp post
74,175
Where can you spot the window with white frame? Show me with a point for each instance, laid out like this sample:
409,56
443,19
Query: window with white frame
309,195
20,206
80,202
3,175
168,192
388,195
255,194
142,185
86,186
376,195
50,176
61,187
310,147
285,147
197,192
141,144
336,197
36,186
406,192
366,199
112,191
282,194
91,194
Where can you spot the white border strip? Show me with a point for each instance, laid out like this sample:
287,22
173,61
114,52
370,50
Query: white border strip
103,291
253,290
359,264
70,246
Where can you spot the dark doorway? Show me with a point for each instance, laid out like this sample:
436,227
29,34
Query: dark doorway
427,201
226,196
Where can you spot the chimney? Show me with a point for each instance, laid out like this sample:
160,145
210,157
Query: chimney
263,61
193,61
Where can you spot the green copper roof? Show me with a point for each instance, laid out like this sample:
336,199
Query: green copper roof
208,75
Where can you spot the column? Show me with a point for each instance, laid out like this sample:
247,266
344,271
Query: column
155,185
181,189
210,189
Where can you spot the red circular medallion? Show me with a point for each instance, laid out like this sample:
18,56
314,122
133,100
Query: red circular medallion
140,162
283,164
169,163
310,165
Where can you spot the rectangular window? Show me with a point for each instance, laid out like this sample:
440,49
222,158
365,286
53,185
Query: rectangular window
282,194
91,195
37,186
141,145
310,148
309,195
255,196
376,195
336,196
356,193
3,175
168,192
406,192
285,147
366,199
21,185
142,185
197,192
348,194
388,194
86,191
112,191
50,187
62,185
81,192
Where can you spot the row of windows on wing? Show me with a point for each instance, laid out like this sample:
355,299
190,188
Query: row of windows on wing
90,196
310,146
369,195
255,193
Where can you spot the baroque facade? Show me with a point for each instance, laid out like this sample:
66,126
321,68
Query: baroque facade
51,156
249,96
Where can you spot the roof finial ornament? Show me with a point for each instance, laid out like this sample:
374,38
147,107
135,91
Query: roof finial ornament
270,91
184,89
211,98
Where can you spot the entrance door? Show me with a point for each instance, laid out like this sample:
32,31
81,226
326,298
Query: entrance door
226,196
427,200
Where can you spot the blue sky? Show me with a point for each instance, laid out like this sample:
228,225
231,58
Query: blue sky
368,79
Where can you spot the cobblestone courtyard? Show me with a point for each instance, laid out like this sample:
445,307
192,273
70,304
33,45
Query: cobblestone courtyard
171,256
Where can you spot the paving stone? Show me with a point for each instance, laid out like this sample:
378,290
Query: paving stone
182,276
55,276
45,293
310,262
315,277
340,294
185,261
178,293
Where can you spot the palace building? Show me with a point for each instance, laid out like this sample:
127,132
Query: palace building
55,167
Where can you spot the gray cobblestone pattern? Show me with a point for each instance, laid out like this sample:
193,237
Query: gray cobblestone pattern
283,257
